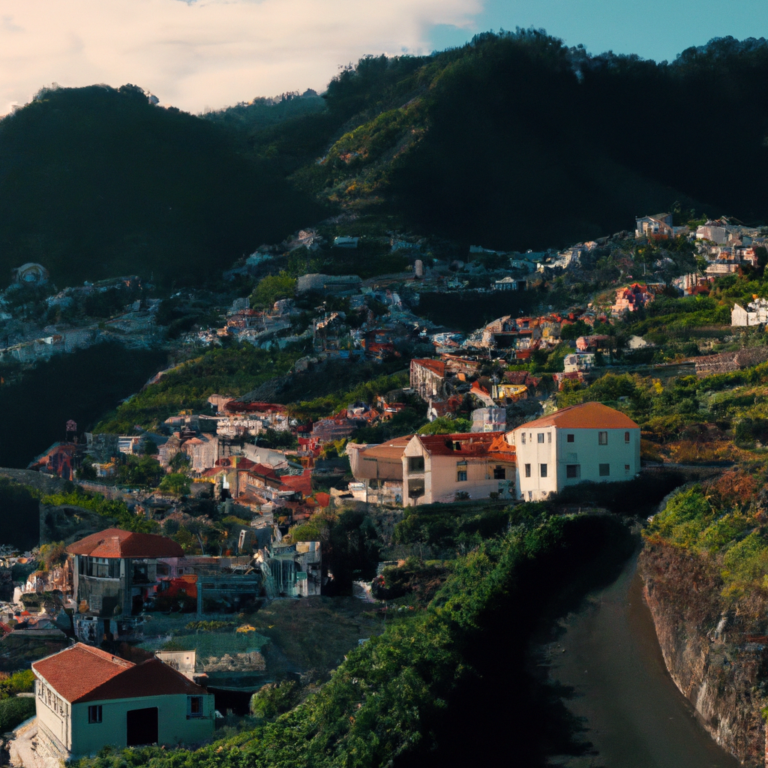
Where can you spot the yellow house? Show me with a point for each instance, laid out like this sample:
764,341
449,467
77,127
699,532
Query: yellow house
88,699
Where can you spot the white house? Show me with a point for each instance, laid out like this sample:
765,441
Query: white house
584,361
756,313
88,699
589,442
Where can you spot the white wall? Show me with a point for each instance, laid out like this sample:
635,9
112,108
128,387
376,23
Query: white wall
585,451
535,454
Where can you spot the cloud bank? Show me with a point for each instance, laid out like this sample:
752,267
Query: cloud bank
210,53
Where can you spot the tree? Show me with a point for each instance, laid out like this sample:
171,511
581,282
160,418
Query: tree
272,288
176,484
445,425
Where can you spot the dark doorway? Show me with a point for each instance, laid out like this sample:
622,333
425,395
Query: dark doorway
142,726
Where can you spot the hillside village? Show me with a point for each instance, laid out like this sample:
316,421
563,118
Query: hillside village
191,541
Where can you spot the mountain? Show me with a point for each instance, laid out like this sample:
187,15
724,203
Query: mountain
515,141
97,182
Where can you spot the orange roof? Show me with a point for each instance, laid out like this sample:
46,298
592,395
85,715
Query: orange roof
82,673
436,366
115,543
585,416
467,444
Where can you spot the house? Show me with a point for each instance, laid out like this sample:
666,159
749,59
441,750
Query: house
328,283
115,573
509,284
445,468
87,699
578,362
659,225
203,451
428,378
589,442
60,459
631,298
509,393
345,242
439,408
756,313
489,420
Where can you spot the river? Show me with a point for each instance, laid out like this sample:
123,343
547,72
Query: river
634,715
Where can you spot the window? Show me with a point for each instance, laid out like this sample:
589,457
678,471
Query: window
94,713
540,437
415,488
572,471
626,437
461,472
602,438
194,706
605,470
415,463
570,438
543,470
626,469
527,470
499,473
522,438
549,437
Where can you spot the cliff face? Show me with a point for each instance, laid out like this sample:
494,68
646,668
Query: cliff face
716,653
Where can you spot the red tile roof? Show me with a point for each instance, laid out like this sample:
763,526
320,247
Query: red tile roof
82,673
468,444
585,416
436,366
115,543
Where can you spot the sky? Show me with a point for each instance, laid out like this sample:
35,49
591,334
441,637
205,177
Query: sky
208,54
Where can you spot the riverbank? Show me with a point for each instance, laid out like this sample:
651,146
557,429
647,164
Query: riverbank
610,665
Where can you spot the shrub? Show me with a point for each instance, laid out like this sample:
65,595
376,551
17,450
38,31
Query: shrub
13,712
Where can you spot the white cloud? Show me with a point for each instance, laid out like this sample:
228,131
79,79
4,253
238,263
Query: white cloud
209,53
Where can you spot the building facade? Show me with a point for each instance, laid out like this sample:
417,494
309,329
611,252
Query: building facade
583,443
87,699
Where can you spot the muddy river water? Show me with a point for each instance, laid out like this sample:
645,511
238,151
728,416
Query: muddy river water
634,715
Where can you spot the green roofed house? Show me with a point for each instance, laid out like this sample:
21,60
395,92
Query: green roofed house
88,699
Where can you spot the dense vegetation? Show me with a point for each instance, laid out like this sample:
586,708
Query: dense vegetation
13,712
400,696
97,182
109,508
232,371
471,142
468,143
724,521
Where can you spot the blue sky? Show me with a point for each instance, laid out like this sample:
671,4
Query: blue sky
654,29
198,54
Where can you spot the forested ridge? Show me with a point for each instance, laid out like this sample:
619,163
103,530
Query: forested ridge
513,141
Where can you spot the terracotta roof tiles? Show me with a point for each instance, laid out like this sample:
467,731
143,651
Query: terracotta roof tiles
116,543
584,416
82,673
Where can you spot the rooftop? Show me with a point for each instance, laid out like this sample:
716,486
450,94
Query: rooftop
115,543
585,416
82,673
436,366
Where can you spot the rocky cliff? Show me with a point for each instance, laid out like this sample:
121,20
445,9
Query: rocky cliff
715,651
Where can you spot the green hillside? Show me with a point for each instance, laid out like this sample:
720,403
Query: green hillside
97,182
515,141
